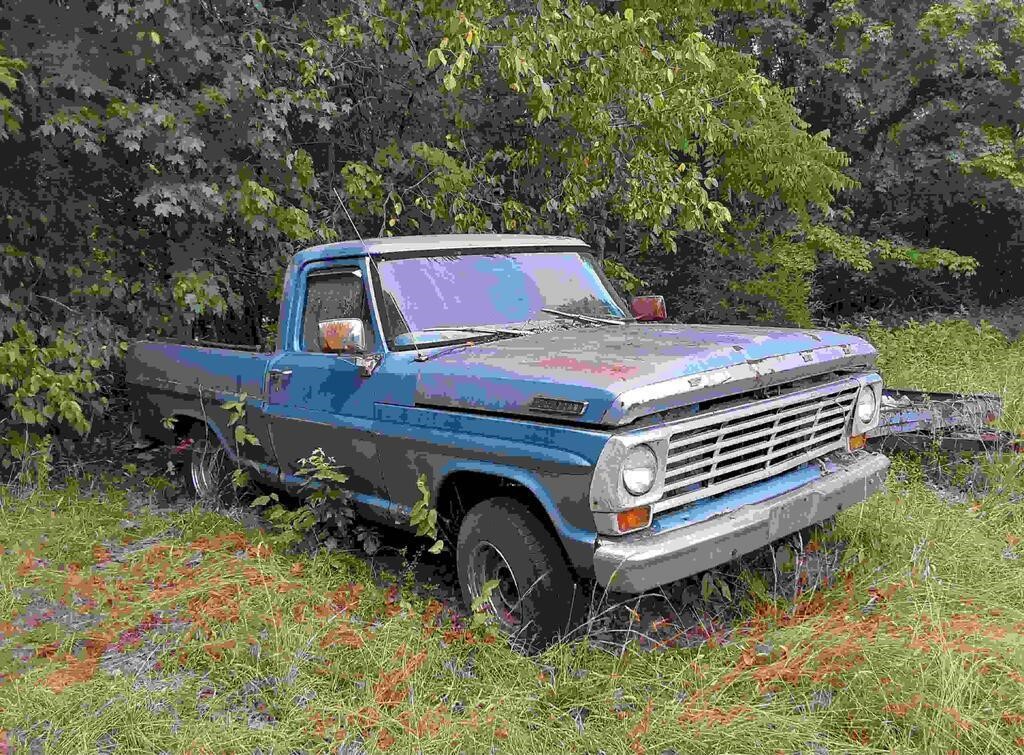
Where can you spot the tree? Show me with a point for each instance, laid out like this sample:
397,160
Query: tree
167,158
925,98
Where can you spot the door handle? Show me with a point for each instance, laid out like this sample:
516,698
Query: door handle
275,377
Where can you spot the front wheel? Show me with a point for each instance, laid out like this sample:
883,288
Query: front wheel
533,597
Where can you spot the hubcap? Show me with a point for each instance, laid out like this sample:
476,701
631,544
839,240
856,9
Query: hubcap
207,461
487,563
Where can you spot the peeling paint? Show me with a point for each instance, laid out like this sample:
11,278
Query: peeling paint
596,368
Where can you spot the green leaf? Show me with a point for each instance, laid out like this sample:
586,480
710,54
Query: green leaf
486,589
239,478
707,587
723,587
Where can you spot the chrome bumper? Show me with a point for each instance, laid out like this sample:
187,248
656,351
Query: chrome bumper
634,563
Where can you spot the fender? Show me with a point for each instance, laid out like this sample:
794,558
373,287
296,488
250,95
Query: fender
573,538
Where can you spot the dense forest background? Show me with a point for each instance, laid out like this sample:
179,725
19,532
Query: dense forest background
787,161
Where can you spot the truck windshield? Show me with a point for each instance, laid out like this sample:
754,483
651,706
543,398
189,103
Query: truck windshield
427,299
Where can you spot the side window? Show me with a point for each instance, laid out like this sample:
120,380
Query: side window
332,296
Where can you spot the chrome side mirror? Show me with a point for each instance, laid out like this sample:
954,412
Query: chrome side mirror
345,336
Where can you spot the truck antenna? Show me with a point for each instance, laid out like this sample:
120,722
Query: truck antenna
373,265
351,222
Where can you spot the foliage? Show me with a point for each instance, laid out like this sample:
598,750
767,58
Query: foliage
236,413
327,501
42,386
154,182
10,116
925,98
167,159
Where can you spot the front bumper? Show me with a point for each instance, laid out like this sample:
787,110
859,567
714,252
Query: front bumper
634,563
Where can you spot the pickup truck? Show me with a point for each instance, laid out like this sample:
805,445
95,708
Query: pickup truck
565,434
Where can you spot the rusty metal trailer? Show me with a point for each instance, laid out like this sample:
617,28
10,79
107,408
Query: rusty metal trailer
919,420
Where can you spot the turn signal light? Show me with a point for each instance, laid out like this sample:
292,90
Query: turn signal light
633,519
857,442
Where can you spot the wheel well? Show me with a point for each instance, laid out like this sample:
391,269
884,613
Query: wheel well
183,426
460,491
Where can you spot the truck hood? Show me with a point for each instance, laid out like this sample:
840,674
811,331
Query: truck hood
612,375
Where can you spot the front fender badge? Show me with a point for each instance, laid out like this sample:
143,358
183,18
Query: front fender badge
558,406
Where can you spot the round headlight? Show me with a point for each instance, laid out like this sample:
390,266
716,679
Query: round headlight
639,470
866,405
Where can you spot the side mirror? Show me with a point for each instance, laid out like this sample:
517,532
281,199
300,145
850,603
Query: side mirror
648,308
345,336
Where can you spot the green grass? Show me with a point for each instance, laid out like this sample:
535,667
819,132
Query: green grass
917,647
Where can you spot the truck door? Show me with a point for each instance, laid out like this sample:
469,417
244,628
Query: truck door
317,400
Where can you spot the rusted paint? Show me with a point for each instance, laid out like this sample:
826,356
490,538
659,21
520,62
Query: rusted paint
596,368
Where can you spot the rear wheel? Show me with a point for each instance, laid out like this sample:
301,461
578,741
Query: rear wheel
535,597
207,469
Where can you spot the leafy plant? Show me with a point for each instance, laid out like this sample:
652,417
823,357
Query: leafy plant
710,585
10,115
326,502
483,617
424,516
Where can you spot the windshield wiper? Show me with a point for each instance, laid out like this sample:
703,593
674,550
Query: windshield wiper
474,329
420,357
583,318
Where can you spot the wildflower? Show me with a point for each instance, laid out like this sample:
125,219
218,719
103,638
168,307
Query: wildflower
385,739
390,690
342,635
216,649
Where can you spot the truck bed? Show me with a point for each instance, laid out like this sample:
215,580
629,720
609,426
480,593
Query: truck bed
162,376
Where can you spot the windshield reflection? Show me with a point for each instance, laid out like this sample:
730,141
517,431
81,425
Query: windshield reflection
420,294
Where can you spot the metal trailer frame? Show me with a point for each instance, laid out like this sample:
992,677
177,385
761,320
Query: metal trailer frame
921,420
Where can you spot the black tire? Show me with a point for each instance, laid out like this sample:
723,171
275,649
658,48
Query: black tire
543,600
206,471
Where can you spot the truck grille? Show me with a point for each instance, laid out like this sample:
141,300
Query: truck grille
733,448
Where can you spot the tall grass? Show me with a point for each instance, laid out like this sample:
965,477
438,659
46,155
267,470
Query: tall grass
916,646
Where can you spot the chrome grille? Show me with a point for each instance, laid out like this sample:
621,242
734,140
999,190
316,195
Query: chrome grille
729,449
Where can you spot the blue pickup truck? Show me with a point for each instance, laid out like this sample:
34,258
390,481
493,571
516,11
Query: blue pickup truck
566,435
